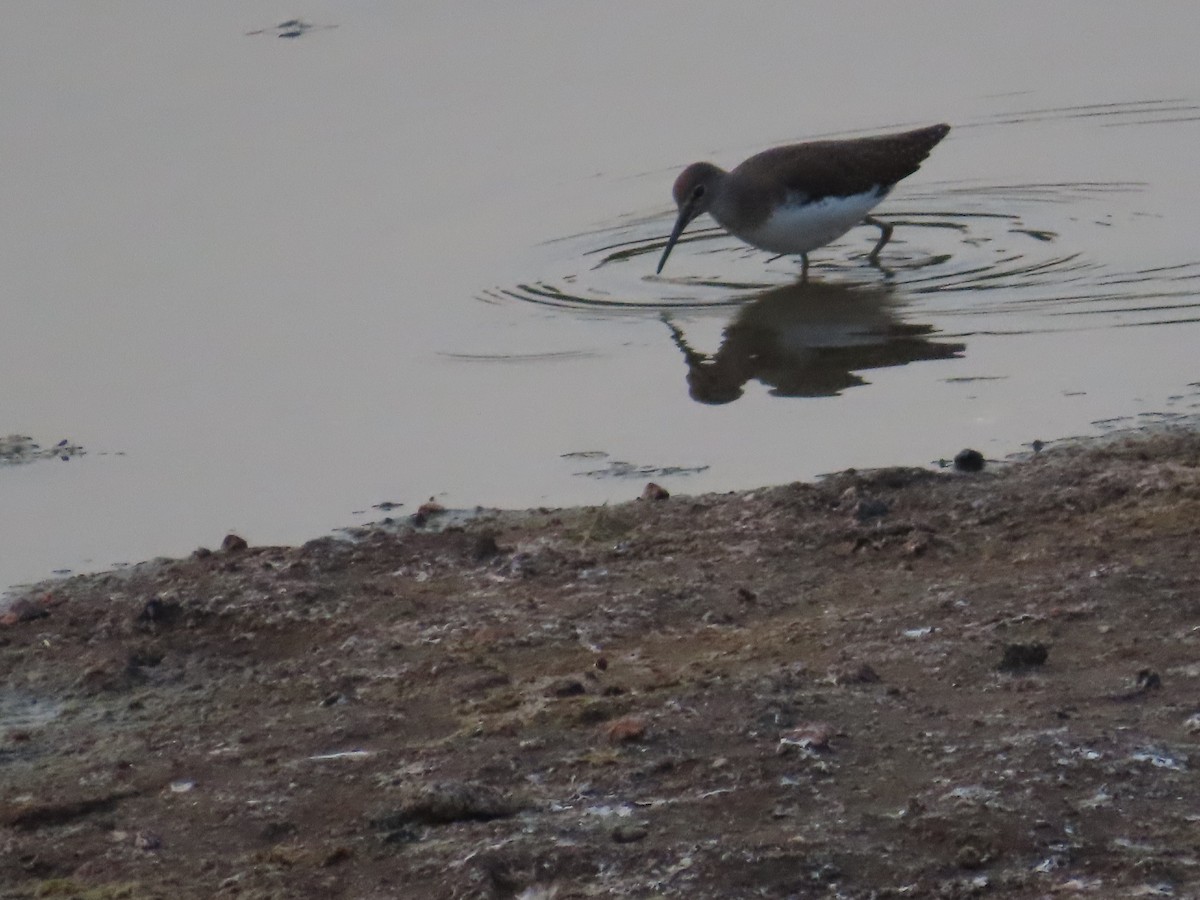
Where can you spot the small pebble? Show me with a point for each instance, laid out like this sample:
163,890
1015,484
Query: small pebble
147,840
969,857
23,610
430,508
629,728
654,491
809,736
1022,656
968,461
485,547
629,834
566,687
871,508
233,543
1148,680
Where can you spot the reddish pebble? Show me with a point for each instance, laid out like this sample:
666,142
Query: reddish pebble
23,610
810,735
654,491
629,728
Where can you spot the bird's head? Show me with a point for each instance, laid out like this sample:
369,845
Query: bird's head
694,190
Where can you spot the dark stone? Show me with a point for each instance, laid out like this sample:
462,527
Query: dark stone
1023,656
567,687
144,658
24,610
233,544
485,547
654,491
1148,680
158,612
33,816
628,834
871,508
273,832
441,804
969,461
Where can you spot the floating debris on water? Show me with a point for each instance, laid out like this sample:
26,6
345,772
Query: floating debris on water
19,448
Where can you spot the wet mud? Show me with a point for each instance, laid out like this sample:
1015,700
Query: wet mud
889,683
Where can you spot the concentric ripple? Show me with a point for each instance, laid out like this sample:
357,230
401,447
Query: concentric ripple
1018,254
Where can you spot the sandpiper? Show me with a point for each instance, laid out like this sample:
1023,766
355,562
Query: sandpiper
797,198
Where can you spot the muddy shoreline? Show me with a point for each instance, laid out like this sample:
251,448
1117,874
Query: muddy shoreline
889,683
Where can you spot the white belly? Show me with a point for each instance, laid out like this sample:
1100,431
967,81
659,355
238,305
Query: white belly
797,229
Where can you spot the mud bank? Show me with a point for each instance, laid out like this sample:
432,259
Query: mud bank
894,683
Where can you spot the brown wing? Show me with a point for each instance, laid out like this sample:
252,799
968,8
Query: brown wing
840,168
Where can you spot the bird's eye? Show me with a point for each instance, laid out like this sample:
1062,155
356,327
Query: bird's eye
698,192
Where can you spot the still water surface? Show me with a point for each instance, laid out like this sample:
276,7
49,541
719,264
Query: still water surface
269,282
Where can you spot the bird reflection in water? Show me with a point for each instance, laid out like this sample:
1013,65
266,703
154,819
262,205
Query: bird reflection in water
808,339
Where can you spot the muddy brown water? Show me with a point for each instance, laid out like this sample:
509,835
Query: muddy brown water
269,281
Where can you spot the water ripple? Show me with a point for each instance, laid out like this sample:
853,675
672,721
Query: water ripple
961,249
1114,114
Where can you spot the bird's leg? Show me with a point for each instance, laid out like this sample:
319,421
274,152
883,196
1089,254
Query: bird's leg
885,236
803,267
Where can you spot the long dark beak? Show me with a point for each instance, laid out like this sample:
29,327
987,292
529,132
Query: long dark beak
685,215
